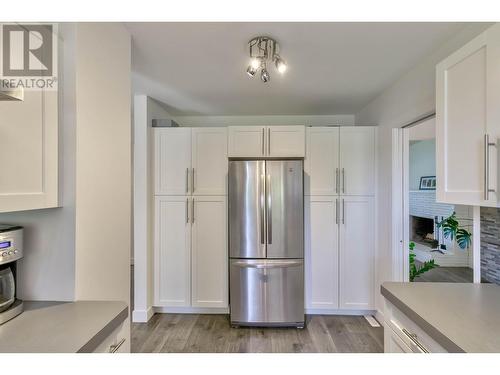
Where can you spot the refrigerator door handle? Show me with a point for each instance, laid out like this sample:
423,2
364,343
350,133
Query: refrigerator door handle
269,212
268,264
262,203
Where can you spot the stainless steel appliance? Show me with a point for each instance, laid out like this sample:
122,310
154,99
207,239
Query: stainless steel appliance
266,242
11,250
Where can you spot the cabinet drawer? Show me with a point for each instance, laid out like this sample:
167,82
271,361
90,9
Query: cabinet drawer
116,342
409,332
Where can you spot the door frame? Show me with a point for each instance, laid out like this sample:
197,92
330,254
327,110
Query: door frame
400,208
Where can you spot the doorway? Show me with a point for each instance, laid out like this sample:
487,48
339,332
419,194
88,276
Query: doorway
432,241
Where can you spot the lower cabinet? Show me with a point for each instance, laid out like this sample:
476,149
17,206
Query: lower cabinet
191,251
116,342
339,253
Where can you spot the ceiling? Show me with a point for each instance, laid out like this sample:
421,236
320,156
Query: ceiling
334,68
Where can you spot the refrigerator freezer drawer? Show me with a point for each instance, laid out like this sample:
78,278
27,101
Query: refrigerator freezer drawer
267,292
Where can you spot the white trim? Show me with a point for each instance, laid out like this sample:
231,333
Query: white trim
476,244
338,312
379,315
397,202
142,316
405,135
191,310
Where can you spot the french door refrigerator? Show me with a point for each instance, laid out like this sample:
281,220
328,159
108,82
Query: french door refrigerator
266,242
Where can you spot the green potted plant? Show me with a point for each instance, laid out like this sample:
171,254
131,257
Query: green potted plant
416,271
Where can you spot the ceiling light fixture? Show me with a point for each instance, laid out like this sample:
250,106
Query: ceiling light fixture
263,49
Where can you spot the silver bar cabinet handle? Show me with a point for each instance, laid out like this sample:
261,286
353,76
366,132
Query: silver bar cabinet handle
114,348
192,181
487,145
192,211
263,141
343,211
336,211
343,180
337,180
187,180
187,210
269,211
413,338
268,141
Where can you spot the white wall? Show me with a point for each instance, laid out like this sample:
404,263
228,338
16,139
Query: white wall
422,161
145,109
410,97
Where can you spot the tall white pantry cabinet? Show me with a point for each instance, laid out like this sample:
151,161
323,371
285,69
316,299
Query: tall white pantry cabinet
190,169
339,218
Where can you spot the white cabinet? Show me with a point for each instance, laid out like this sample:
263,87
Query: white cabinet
357,160
246,141
209,161
321,253
357,253
29,152
321,166
190,161
340,160
266,141
393,343
286,141
172,251
468,122
172,161
116,342
209,252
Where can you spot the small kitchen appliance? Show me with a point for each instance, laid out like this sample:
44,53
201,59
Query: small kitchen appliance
11,250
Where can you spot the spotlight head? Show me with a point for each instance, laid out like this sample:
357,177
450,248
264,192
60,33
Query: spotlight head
255,63
280,65
264,75
251,70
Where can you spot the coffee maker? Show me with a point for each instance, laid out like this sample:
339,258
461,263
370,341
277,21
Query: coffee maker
11,250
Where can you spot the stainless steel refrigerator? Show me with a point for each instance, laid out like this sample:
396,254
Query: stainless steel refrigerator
266,242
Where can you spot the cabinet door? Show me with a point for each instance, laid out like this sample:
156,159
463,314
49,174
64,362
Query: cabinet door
286,141
467,97
209,252
393,343
321,252
209,166
357,253
357,160
322,161
172,161
29,152
246,141
172,251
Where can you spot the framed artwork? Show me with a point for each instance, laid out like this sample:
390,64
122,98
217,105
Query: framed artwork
427,183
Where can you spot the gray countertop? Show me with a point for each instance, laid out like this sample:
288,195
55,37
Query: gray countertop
61,327
460,317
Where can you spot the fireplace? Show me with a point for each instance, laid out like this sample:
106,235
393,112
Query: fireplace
424,231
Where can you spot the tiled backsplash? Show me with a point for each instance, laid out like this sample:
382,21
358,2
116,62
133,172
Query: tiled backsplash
423,204
490,244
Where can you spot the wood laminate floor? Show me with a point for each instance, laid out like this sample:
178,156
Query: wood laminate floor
447,275
191,333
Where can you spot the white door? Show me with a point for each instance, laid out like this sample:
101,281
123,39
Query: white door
172,251
172,161
357,255
467,97
321,252
209,161
321,165
286,141
357,160
209,252
246,141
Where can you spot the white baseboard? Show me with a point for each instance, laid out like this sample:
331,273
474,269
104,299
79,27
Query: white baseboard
142,316
339,312
191,310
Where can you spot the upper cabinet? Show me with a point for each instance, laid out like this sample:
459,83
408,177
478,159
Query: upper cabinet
190,161
468,122
266,141
340,161
29,152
